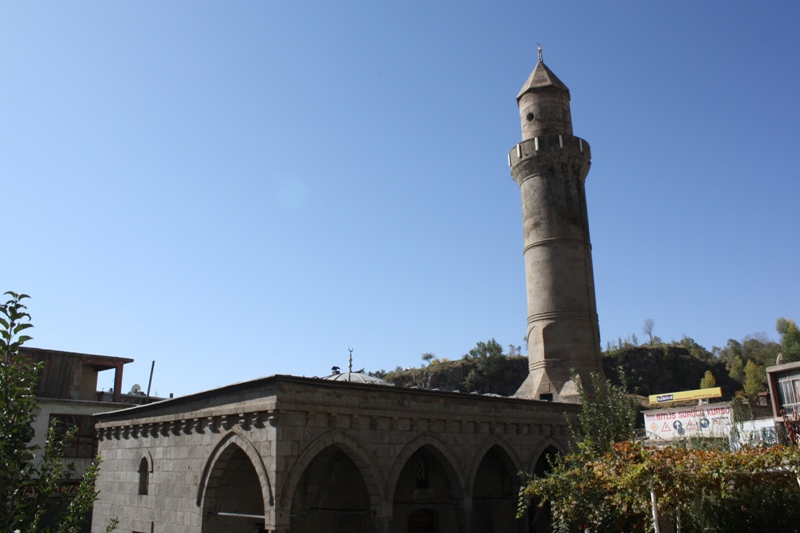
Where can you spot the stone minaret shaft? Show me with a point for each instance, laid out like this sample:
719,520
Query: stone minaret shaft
550,166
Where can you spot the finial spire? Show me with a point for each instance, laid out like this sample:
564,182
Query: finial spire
351,359
539,48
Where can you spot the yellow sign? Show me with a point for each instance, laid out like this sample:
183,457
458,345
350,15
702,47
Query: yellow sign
698,394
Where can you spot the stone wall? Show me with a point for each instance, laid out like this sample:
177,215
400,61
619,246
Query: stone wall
287,428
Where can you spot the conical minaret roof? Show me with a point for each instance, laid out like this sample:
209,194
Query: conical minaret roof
541,77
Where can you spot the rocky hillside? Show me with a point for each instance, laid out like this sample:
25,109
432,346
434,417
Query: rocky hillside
649,370
502,375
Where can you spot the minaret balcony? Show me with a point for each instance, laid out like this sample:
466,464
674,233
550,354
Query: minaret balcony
549,144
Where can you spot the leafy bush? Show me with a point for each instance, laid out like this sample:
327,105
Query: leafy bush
612,483
19,465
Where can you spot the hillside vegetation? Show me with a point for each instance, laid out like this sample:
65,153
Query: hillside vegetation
466,375
653,367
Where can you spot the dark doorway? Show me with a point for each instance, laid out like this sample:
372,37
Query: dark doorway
494,494
331,496
426,495
234,502
423,521
540,516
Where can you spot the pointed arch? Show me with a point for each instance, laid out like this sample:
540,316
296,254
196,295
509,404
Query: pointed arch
355,451
445,456
234,438
509,456
494,489
547,442
540,519
145,467
146,455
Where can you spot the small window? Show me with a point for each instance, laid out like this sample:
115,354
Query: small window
83,442
144,476
788,392
422,474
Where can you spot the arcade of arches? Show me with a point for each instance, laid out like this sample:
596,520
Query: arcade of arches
332,496
286,454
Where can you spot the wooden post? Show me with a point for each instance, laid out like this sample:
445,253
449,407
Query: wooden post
699,510
118,383
654,501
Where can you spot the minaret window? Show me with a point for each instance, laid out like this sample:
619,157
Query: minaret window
529,117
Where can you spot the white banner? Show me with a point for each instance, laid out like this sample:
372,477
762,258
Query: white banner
685,422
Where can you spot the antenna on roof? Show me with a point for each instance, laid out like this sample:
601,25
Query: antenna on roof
150,383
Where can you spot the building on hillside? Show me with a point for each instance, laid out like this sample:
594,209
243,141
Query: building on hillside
783,382
350,454
67,396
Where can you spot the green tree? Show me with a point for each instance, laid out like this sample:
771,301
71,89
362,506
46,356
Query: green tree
790,339
708,381
607,415
491,364
696,350
755,380
610,483
21,464
485,350
732,349
737,369
757,347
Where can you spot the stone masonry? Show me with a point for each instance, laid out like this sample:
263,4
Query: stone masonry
243,456
287,454
550,165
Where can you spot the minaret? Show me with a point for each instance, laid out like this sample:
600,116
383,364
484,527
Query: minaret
550,166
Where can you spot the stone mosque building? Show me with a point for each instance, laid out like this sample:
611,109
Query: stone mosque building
352,453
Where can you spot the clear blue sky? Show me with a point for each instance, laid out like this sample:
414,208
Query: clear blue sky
240,189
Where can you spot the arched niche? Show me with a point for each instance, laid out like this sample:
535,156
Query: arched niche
331,496
510,457
548,447
355,451
495,493
144,476
539,517
427,495
455,471
232,492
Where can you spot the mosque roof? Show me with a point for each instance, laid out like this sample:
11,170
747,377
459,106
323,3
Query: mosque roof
356,377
